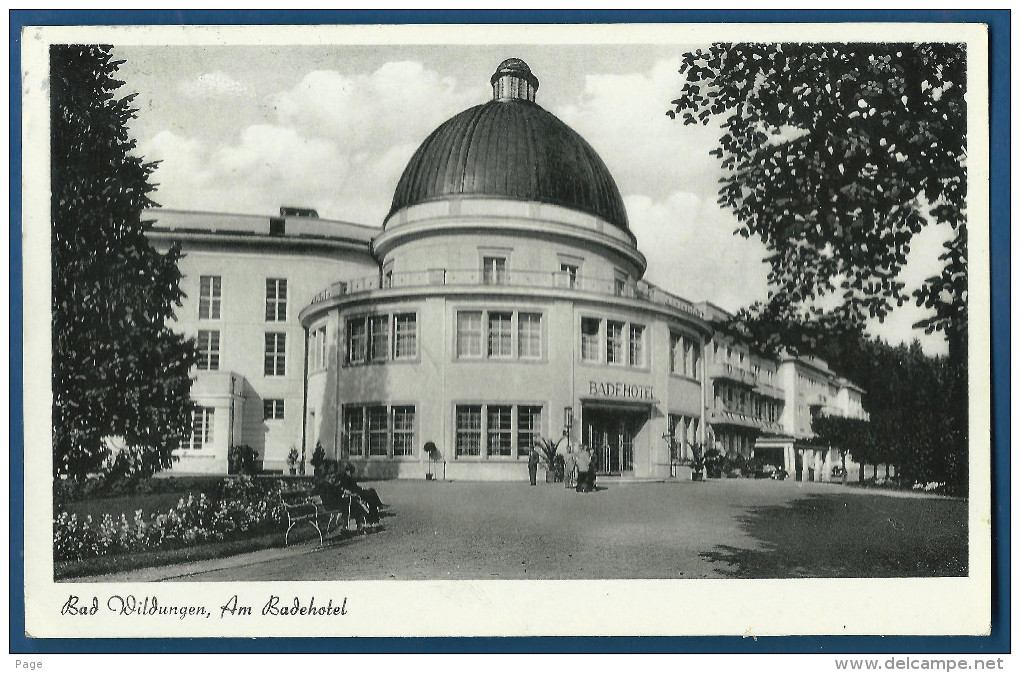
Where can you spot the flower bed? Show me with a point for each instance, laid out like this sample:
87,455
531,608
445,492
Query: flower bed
238,507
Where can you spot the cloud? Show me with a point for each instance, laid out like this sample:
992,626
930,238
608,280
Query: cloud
660,155
399,103
338,143
692,251
212,85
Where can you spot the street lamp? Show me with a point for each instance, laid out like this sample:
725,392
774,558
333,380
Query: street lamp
670,437
568,420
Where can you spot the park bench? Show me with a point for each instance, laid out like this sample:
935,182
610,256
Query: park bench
303,507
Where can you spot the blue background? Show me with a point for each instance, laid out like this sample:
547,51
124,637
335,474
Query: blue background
998,642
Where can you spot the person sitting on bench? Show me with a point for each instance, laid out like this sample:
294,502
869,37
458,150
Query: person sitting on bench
336,497
346,479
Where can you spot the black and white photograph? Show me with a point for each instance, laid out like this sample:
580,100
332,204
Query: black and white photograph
597,318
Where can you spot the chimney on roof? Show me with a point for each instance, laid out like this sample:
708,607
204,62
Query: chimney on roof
293,211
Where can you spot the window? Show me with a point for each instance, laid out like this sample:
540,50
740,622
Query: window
496,423
317,353
678,428
495,329
685,355
272,410
276,354
637,344
590,338
620,284
276,299
529,428
614,342
208,350
469,334
529,335
201,434
499,428
571,272
676,353
209,297
357,340
494,270
500,335
469,430
403,431
368,337
354,430
378,337
378,431
277,226
406,336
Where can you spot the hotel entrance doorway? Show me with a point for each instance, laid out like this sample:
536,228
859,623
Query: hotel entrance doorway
610,434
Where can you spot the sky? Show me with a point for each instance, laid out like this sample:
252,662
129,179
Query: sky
246,129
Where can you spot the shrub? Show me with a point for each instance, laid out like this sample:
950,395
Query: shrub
318,459
243,460
239,507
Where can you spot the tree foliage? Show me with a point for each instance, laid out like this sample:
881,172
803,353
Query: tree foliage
912,420
836,155
118,370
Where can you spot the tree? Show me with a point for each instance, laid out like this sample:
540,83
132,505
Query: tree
851,436
836,155
118,369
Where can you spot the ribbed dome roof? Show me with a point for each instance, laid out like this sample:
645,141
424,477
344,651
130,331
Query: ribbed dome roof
510,148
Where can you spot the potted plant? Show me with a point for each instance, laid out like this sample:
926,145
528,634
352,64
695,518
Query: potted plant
713,463
318,459
433,453
697,462
548,449
292,460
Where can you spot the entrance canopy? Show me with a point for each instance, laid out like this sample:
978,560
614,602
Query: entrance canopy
619,405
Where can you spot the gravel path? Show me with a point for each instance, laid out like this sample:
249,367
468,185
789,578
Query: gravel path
499,530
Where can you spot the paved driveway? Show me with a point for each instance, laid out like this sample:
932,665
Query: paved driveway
743,528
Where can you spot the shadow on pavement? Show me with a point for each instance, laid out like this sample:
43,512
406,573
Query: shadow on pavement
850,535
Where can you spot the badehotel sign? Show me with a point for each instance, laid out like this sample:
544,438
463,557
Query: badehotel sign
619,390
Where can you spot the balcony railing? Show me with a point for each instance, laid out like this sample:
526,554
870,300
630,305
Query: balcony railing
724,370
528,279
736,417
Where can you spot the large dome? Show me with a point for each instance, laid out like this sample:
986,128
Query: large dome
511,148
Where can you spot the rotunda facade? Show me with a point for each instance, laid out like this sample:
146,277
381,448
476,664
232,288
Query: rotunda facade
508,306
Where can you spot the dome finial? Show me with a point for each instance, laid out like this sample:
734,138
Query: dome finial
513,81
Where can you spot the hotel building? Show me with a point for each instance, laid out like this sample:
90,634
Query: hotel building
502,301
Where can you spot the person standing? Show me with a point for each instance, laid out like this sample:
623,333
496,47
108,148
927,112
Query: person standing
533,464
569,467
584,472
